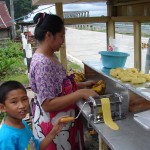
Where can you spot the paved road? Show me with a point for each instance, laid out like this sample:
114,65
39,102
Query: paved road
84,45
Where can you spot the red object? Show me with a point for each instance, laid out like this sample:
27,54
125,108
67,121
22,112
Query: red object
5,19
110,48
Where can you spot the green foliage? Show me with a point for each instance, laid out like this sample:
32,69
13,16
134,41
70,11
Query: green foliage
73,66
21,7
70,65
23,78
11,59
2,115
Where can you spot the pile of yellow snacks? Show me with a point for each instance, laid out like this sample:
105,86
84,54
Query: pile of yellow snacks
78,75
99,87
130,75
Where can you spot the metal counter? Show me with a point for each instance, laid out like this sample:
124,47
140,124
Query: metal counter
139,89
130,136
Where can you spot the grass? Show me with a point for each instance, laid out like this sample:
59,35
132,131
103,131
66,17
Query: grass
18,72
23,78
70,65
74,66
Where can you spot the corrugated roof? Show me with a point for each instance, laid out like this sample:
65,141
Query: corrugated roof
5,19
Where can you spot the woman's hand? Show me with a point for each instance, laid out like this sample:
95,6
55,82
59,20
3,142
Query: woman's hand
86,84
90,83
86,93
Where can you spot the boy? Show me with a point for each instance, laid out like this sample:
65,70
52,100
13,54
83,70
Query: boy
15,134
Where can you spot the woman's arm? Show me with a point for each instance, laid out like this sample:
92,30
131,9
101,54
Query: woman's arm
62,102
86,84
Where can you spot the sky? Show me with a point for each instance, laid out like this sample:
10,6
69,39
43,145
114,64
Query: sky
95,9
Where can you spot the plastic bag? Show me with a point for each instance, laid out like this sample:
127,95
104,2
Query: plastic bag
113,44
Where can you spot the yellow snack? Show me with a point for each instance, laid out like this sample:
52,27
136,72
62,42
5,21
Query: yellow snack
113,73
130,75
119,69
99,87
133,70
78,76
138,80
66,119
126,79
116,72
147,77
121,74
107,114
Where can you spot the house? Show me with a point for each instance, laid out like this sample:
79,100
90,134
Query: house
5,21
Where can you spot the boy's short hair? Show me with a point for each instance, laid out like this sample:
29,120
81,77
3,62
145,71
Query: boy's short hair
8,86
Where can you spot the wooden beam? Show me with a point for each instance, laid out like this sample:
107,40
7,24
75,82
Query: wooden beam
131,19
130,2
63,56
110,30
84,20
137,45
110,25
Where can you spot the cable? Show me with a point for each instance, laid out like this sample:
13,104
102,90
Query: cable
33,13
25,15
44,8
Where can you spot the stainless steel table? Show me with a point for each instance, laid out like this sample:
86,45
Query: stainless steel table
131,135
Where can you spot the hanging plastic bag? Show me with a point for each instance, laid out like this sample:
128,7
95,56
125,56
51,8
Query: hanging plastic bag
113,44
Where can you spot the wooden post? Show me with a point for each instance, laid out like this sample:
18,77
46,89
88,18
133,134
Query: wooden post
110,31
110,25
63,56
137,45
102,144
13,30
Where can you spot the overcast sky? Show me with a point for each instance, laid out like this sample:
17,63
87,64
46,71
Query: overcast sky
95,9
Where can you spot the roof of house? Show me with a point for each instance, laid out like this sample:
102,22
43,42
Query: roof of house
5,19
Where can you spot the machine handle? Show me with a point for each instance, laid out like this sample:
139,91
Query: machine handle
66,119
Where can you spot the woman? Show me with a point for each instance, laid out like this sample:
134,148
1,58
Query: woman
56,93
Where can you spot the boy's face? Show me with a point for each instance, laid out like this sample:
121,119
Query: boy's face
16,104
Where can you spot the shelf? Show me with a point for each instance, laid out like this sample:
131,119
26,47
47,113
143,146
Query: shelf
139,89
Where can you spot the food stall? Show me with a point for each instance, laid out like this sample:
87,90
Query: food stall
134,98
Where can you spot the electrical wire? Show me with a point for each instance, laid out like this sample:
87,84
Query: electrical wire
13,21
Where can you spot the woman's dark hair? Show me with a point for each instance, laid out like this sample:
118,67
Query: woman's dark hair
46,23
7,87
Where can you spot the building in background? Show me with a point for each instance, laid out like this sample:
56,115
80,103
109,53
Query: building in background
5,21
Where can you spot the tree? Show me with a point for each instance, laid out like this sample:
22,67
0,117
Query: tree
21,7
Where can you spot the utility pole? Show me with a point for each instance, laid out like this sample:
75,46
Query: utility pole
13,30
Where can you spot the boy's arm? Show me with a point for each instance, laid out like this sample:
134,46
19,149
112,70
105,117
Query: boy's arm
48,139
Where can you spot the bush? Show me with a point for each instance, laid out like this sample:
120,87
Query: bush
11,58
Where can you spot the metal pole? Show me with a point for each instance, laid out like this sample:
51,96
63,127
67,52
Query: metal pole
13,31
